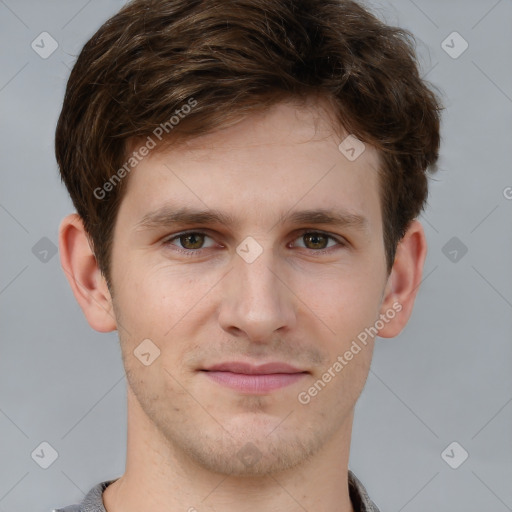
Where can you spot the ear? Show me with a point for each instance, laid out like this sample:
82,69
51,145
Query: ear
404,280
85,278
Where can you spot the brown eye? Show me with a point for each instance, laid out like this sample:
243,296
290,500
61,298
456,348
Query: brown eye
315,240
318,241
192,240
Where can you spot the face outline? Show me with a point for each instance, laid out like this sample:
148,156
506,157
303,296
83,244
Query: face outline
289,304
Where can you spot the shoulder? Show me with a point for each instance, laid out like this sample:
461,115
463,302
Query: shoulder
359,496
92,502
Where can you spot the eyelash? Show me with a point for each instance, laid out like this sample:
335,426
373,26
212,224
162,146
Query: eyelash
198,252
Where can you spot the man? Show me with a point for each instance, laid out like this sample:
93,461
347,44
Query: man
247,177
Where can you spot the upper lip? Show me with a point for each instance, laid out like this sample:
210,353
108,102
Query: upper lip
251,369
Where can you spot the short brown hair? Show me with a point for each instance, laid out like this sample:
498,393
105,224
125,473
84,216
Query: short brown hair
233,58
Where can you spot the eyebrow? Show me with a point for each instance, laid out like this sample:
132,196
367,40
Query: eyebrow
166,216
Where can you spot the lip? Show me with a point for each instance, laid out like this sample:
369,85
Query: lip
254,379
251,369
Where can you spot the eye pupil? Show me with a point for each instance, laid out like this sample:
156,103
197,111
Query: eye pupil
314,237
192,236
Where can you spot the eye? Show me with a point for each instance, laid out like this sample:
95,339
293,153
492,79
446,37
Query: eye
190,241
317,241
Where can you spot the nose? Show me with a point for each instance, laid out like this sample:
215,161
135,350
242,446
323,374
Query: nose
257,302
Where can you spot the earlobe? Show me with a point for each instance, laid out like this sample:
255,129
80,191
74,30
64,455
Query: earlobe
84,276
404,280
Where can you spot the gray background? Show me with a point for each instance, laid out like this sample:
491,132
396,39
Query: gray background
446,378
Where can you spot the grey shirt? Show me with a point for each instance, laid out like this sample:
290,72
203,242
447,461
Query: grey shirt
93,500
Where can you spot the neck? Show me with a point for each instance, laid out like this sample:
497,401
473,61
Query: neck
161,478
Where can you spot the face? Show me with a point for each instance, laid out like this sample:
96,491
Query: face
264,280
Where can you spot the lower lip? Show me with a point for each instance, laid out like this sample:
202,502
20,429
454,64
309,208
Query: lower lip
254,383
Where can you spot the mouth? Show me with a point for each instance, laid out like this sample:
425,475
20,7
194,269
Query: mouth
254,379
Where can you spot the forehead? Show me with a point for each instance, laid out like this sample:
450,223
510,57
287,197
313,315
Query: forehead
286,158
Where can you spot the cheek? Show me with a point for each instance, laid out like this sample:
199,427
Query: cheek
164,305
149,293
344,299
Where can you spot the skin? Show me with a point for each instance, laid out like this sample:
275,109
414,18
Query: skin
185,431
